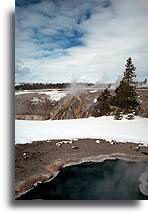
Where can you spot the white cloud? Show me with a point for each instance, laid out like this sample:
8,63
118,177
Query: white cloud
112,34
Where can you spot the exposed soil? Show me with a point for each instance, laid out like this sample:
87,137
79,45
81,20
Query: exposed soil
41,161
77,104
33,104
143,93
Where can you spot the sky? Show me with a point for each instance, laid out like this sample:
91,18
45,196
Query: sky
80,40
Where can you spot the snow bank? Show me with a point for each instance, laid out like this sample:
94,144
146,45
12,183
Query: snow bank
103,127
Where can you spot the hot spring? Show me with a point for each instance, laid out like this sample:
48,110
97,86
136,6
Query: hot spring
108,180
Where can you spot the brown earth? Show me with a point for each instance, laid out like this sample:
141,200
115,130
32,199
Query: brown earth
143,93
75,105
33,104
40,161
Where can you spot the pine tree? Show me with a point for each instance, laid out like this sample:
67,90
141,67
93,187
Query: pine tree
126,95
118,115
102,106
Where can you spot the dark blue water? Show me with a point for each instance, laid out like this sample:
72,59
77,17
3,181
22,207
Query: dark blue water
110,180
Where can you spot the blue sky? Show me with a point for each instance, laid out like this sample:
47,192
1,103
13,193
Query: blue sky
80,40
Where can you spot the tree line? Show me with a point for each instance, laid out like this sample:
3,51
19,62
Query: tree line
35,86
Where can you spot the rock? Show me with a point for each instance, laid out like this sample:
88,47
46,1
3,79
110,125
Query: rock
59,144
33,106
26,155
70,108
130,116
75,147
136,148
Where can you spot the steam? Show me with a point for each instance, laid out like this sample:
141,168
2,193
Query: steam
78,85
108,180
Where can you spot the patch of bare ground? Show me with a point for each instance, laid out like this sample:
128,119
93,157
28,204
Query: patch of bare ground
35,106
143,93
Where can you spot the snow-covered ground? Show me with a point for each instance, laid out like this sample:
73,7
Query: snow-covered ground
23,92
53,94
103,127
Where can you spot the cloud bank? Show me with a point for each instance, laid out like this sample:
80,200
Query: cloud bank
64,40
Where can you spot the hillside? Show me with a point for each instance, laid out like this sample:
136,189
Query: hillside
64,104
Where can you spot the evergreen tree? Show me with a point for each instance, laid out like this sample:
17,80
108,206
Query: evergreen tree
102,106
118,115
126,95
145,81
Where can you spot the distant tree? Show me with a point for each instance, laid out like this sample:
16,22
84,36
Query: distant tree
125,94
103,104
145,81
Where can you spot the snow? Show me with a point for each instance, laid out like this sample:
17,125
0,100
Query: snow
99,128
58,144
95,100
53,94
36,100
23,92
93,91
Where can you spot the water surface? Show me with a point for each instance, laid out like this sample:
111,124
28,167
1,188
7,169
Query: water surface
110,180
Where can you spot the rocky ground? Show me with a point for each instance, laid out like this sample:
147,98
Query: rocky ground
76,104
143,93
33,104
40,161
